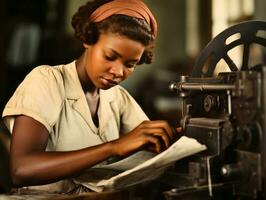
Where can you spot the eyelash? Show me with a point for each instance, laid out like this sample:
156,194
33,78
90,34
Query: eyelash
131,66
110,58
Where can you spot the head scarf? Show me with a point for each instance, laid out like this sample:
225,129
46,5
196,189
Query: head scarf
133,8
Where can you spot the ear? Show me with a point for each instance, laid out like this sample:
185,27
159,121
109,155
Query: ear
86,46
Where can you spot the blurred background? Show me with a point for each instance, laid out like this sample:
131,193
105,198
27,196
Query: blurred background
39,32
34,32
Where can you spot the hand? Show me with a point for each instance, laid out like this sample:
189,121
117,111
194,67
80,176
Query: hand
177,133
151,135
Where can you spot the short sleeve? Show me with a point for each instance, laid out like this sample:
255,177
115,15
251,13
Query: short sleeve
130,111
39,96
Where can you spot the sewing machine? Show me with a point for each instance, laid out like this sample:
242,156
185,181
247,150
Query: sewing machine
226,112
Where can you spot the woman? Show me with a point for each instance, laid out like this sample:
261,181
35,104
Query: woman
70,117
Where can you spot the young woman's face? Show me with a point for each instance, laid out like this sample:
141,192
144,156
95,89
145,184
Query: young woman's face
112,59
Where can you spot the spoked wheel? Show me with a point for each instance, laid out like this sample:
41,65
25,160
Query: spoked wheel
218,48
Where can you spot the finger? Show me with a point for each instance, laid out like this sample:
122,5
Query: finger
163,125
163,137
167,128
178,129
156,142
159,132
178,132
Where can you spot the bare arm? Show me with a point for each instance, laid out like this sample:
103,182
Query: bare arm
32,165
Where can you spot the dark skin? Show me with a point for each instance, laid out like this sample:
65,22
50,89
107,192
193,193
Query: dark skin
32,165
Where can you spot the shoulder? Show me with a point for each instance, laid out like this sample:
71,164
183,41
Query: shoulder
45,78
40,96
45,73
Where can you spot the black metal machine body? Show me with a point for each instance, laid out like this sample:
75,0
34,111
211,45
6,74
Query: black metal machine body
225,112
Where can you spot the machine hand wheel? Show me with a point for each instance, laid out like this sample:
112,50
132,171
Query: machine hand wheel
217,48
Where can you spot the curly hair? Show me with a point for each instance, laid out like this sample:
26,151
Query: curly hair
131,27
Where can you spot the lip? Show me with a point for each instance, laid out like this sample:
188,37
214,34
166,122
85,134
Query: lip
109,82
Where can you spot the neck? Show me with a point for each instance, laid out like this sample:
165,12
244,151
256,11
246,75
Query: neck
86,83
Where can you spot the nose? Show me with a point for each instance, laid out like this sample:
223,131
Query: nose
117,70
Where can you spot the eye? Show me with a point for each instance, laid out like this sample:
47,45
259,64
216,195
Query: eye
109,57
131,65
